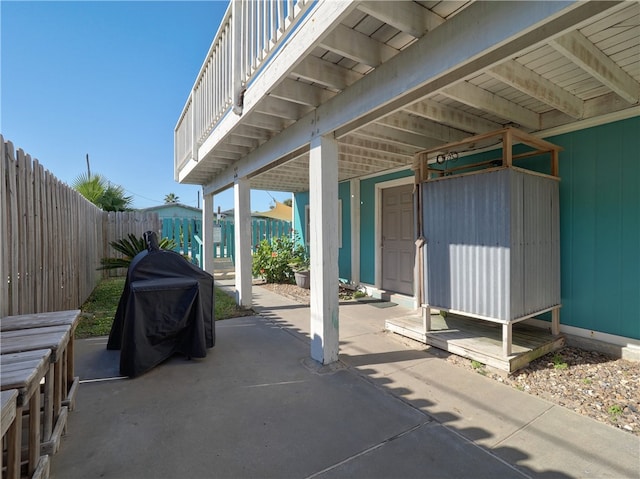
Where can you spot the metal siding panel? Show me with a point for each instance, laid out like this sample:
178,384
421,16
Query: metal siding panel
517,245
492,250
541,260
467,226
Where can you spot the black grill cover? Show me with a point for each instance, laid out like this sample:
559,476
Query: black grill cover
166,308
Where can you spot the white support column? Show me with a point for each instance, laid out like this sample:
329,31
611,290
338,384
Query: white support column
354,188
323,204
207,233
242,230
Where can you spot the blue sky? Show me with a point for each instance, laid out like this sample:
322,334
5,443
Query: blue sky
108,79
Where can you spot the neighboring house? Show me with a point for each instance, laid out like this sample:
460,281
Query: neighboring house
336,111
175,210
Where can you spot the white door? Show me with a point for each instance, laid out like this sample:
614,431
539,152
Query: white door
398,247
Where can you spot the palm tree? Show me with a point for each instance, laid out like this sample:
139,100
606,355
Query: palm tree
101,193
92,187
170,198
114,199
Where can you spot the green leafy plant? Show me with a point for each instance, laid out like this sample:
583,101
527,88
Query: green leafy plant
274,261
476,364
478,367
99,191
558,362
129,247
615,410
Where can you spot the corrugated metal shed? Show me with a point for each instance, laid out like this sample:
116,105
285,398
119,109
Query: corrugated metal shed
493,243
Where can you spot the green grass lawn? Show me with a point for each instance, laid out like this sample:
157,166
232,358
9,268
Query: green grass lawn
98,311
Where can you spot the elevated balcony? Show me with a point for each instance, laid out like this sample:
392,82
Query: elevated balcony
388,79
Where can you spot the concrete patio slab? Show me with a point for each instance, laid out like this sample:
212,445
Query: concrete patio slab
257,407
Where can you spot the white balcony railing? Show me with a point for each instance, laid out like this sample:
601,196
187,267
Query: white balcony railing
250,31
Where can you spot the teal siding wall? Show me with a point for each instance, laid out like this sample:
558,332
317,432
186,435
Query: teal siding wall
367,224
300,201
344,253
600,228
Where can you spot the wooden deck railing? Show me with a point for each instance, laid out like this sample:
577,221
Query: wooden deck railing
250,31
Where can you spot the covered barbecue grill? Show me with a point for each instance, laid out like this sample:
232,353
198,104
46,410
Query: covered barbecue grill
166,308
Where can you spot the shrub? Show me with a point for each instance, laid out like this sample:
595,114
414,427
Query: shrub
273,261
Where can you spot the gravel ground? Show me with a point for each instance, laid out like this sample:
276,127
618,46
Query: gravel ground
590,383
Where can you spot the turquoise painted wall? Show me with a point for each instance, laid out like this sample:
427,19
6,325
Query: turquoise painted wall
367,224
300,201
344,253
600,227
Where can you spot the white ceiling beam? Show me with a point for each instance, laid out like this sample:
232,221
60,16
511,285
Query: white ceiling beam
387,133
357,46
577,48
482,99
246,131
374,145
595,107
242,141
227,155
411,18
450,116
373,157
231,148
282,108
422,126
302,93
527,81
263,120
329,74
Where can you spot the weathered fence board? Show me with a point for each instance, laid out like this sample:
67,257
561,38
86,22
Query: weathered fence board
52,238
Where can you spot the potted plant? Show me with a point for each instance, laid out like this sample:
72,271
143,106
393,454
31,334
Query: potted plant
300,267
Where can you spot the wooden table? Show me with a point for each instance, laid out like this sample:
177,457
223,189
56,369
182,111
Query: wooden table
68,318
23,372
55,339
9,429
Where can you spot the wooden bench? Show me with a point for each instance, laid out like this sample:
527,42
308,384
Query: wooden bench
23,373
56,318
9,429
55,339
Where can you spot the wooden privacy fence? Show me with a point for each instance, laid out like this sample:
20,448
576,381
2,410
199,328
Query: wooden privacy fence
52,238
187,234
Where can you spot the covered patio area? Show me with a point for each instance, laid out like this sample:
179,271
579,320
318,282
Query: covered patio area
258,407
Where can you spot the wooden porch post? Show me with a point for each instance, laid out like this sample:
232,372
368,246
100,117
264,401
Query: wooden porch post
207,233
355,231
323,204
242,229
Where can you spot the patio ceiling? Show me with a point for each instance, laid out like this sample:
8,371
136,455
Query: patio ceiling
581,74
